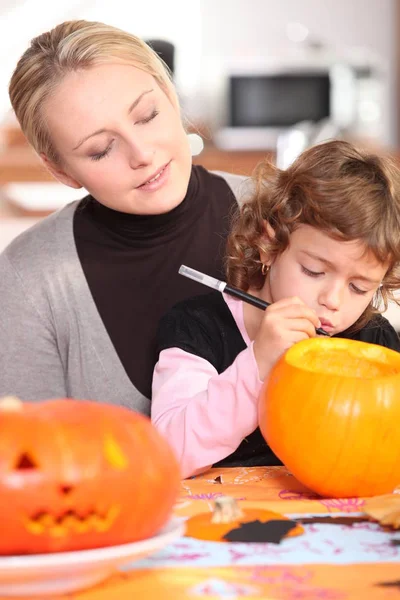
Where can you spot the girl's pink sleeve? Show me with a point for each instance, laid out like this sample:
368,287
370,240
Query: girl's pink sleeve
203,415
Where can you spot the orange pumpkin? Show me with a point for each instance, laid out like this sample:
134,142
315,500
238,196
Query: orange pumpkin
80,474
226,516
330,411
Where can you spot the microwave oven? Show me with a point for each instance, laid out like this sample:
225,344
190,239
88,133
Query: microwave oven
261,105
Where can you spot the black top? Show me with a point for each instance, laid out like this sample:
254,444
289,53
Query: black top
204,326
131,264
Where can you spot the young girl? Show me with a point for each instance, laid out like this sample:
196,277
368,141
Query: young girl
321,241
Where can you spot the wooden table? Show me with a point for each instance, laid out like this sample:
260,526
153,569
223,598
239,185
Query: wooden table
354,560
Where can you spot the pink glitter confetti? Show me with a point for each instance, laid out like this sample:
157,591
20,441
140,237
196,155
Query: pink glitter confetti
343,504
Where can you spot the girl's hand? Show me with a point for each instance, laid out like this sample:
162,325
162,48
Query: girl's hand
285,322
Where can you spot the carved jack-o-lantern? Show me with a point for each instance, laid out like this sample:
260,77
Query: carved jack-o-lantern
79,474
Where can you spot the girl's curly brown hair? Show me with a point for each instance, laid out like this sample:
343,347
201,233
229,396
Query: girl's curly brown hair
345,192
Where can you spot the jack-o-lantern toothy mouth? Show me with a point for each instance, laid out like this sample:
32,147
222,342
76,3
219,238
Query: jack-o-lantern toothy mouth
71,522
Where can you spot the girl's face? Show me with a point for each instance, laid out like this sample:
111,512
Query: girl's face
121,137
336,279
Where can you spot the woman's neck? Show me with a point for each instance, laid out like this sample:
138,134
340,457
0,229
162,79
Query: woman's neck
150,230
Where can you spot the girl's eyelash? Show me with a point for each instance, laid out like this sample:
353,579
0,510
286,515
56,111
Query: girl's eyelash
357,290
310,273
315,274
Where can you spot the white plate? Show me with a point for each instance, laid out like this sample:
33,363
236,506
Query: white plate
46,196
65,572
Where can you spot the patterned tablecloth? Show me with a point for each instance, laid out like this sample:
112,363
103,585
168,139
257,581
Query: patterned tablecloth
349,558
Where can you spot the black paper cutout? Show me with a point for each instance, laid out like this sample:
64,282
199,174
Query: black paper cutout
395,542
271,532
218,479
394,584
348,521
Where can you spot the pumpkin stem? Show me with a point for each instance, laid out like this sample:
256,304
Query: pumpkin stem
10,403
226,509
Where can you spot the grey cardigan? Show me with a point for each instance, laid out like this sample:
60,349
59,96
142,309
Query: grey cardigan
52,339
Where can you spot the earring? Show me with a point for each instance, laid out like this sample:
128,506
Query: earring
264,269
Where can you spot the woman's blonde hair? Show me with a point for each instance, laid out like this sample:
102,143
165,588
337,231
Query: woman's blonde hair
71,46
347,193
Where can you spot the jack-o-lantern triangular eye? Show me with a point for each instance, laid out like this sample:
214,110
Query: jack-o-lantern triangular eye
114,453
25,461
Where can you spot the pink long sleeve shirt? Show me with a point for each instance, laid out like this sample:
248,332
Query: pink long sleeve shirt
186,402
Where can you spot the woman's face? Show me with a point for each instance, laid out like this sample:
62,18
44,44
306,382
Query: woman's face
119,136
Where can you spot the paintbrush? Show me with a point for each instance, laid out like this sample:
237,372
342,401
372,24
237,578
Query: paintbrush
222,286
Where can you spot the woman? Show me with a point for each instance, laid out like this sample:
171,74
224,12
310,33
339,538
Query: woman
82,292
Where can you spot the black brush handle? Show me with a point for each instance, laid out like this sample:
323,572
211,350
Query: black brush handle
259,303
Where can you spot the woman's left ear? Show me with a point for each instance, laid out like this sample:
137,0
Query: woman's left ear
58,173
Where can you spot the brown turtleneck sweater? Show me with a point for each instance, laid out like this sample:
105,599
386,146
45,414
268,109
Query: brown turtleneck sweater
131,264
